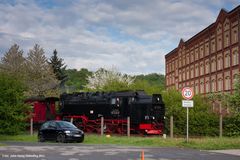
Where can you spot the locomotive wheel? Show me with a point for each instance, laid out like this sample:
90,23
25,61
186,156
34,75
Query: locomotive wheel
41,138
61,138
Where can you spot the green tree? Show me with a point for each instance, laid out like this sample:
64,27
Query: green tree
13,62
41,79
232,121
153,79
58,66
109,80
202,121
146,86
235,98
13,110
77,79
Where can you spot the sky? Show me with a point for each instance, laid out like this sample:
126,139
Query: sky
130,35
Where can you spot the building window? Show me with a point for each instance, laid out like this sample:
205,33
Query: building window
207,67
219,44
173,63
219,29
201,87
227,83
196,54
196,71
207,86
226,25
212,46
220,84
192,57
227,60
196,88
183,75
187,74
180,86
235,57
213,65
183,60
180,62
192,72
201,52
226,39
180,76
201,69
235,78
234,35
206,48
219,63
187,59
213,85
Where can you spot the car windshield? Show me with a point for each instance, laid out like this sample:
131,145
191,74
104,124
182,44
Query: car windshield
64,124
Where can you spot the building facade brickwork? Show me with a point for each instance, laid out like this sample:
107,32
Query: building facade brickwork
209,61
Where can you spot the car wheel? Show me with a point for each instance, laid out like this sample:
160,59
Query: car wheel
41,138
61,138
81,140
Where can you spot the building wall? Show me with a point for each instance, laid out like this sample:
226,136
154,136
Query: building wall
209,61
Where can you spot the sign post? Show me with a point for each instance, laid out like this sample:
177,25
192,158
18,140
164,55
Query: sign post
187,94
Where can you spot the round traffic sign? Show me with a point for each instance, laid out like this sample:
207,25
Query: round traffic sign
187,93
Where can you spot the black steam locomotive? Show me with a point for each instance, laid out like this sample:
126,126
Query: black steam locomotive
85,110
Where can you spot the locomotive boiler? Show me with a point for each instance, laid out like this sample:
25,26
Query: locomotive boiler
85,110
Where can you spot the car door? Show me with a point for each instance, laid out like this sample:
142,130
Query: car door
44,130
52,130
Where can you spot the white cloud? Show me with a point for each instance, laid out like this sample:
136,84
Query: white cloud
132,35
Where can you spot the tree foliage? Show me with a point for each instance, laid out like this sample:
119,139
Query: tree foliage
13,62
146,86
77,79
232,121
13,110
235,98
58,66
202,121
40,76
109,80
153,79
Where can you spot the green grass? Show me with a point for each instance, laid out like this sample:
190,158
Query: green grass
22,138
205,143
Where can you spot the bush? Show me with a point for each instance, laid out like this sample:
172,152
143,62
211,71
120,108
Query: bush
231,125
13,110
202,122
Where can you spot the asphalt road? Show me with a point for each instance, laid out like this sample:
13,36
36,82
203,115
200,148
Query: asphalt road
76,151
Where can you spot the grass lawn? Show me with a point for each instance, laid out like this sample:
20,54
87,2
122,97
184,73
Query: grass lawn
196,143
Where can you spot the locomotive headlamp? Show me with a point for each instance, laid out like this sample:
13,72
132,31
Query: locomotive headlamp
158,99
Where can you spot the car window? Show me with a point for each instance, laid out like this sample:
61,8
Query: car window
64,124
52,125
45,125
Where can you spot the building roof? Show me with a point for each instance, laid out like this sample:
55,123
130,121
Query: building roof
223,13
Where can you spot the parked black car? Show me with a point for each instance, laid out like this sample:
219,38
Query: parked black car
60,131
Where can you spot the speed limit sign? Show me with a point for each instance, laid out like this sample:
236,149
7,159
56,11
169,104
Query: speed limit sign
187,93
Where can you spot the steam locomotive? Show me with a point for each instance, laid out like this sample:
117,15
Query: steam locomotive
85,110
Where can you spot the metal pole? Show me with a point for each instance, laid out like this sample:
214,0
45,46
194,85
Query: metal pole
187,124
31,126
102,120
220,120
171,126
128,126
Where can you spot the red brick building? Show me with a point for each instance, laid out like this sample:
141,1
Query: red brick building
209,61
